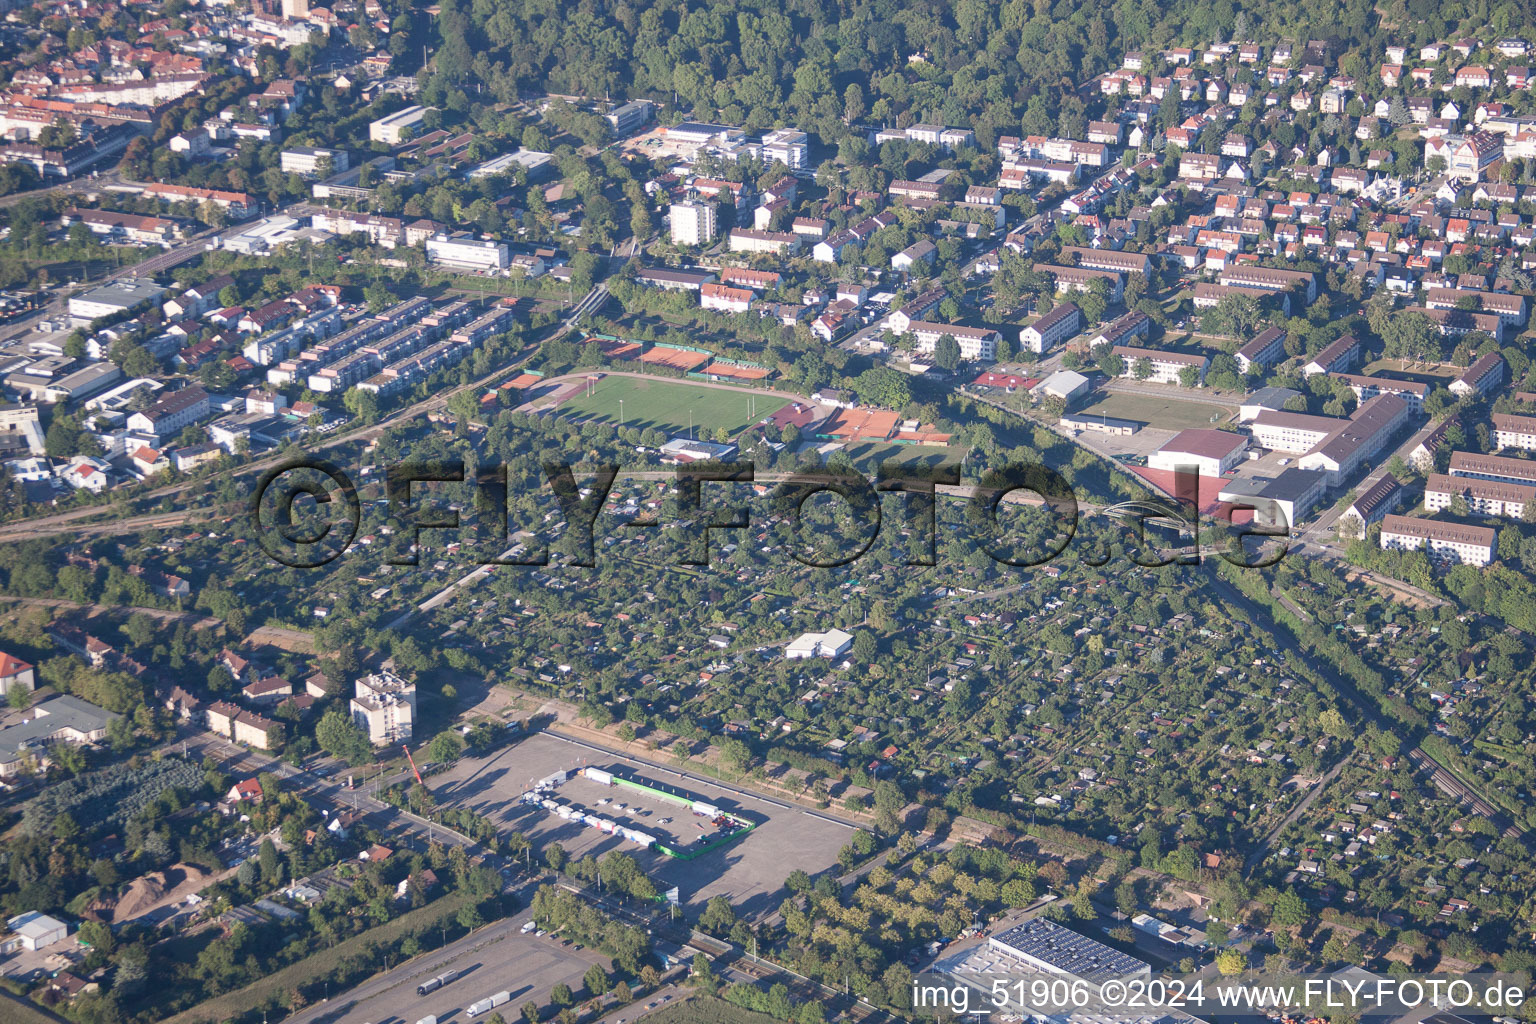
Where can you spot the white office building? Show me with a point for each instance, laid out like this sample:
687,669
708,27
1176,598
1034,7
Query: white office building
401,126
468,253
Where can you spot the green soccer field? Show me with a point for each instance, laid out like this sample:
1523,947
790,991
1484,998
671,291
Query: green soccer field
667,405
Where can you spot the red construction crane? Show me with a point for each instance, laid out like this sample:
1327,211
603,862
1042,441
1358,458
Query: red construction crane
412,760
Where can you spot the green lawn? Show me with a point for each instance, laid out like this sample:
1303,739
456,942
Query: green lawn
16,1010
1423,372
1169,413
667,405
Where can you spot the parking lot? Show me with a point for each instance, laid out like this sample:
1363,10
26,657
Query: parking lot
501,958
750,871
670,823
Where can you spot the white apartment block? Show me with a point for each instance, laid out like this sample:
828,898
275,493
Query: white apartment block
1452,542
1367,388
693,223
725,298
1166,366
1052,329
1480,378
748,240
384,707
1493,467
1514,431
1485,497
975,342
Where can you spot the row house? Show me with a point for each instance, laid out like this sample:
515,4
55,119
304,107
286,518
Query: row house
1483,497
1081,279
1166,367
1481,378
1511,309
1511,431
1447,541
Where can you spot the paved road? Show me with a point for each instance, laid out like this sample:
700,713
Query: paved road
1262,849
1320,531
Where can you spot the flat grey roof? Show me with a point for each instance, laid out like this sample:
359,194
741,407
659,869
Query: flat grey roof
1068,951
123,293
61,712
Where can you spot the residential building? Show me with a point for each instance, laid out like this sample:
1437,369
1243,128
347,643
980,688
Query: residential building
1109,259
673,280
239,205
1081,279
901,321
1269,279
1365,388
1338,356
1446,541
1263,351
1480,378
975,342
693,223
1453,323
1509,308
1493,467
170,414
1376,501
1164,367
921,251
1050,330
725,298
15,674
1484,497
1123,330
1509,431
384,707
749,240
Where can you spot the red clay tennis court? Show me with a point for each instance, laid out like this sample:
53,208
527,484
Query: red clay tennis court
860,425
737,372
616,348
675,358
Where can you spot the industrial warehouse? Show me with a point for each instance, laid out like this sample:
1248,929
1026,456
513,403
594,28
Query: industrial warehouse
619,803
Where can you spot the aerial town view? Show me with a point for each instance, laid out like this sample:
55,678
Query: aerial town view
751,511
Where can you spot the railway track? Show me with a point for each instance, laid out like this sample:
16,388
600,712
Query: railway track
1449,784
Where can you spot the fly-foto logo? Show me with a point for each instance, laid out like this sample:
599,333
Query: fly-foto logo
331,518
